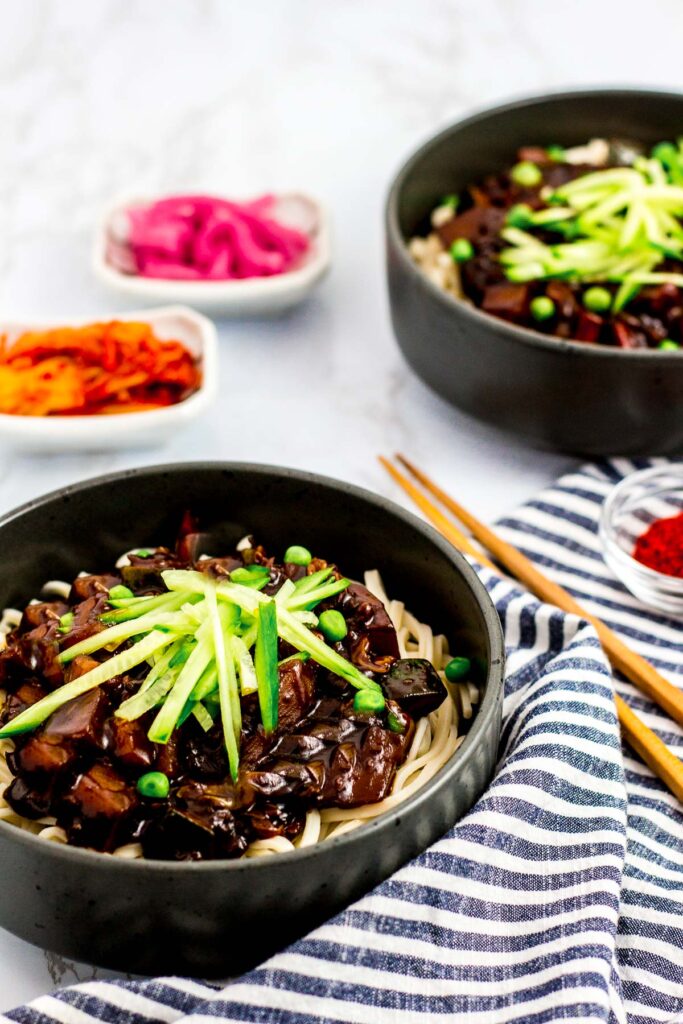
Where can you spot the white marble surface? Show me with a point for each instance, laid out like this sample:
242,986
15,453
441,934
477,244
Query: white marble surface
99,97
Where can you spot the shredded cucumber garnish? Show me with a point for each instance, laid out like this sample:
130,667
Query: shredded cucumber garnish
170,711
202,716
35,715
207,643
620,225
245,666
137,606
265,662
115,635
144,700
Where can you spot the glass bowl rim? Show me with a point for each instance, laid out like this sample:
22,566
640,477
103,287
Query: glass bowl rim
672,584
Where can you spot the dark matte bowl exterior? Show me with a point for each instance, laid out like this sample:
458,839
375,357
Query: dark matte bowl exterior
217,918
558,395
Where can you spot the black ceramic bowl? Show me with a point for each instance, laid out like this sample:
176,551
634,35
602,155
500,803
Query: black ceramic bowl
217,918
557,394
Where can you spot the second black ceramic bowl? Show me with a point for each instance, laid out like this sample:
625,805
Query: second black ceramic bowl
217,918
557,394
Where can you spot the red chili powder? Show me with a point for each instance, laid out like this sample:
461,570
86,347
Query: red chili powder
661,546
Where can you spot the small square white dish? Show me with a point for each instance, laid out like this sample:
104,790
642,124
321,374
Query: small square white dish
254,296
127,429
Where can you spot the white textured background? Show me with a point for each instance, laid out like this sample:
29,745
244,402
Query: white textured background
99,97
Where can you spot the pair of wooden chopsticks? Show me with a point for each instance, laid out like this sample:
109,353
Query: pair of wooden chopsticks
643,740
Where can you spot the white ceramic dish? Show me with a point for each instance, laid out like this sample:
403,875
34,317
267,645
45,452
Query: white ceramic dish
258,296
128,429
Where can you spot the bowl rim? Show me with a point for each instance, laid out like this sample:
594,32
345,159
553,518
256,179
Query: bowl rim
477,317
673,585
314,265
383,823
73,427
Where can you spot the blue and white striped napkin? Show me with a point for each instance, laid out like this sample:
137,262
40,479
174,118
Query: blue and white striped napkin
558,897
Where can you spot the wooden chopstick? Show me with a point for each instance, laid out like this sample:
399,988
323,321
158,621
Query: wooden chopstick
444,525
633,666
651,749
643,740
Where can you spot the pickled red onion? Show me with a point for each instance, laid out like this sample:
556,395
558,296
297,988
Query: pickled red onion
204,238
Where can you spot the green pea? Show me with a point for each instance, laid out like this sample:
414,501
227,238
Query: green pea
457,669
557,153
119,591
597,300
520,216
668,345
665,152
395,723
526,174
154,786
368,702
462,250
542,308
332,625
297,555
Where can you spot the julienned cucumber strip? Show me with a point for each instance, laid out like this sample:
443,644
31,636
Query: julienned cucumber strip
246,598
306,618
145,700
310,599
176,654
184,651
301,638
35,715
249,636
598,180
257,583
265,663
115,635
285,592
224,621
207,683
128,602
628,217
145,606
169,713
188,581
284,597
315,579
186,712
203,717
626,292
245,666
216,628
299,656
294,632
231,710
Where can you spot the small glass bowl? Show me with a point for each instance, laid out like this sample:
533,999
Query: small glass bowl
628,511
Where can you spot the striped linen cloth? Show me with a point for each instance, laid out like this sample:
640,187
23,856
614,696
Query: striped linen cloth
559,897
